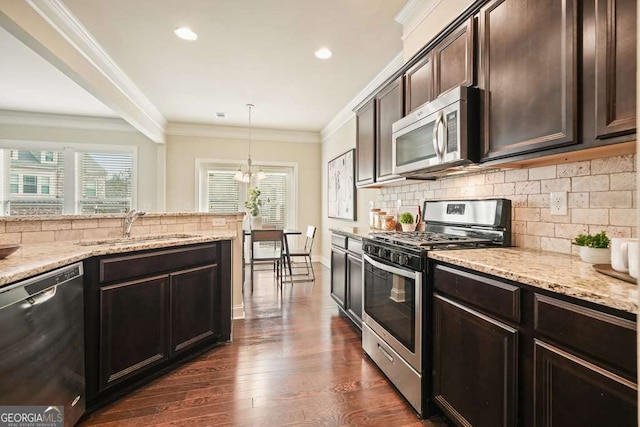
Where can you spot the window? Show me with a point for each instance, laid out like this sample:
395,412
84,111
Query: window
90,188
13,183
105,182
29,184
44,185
102,181
220,193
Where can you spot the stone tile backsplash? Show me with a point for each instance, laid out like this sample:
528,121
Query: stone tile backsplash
55,229
601,196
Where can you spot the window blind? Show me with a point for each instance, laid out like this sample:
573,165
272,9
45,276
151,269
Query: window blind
274,195
104,182
223,192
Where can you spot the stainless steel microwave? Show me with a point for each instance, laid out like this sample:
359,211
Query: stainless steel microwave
440,135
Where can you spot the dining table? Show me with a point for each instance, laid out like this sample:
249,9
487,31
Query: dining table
286,232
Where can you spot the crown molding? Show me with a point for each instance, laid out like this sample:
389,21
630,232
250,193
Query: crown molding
347,113
231,132
144,115
410,16
65,121
408,11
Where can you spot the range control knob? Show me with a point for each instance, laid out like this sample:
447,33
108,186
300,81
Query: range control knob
403,259
367,248
394,257
377,251
386,253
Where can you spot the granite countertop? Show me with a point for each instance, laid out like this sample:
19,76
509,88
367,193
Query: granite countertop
563,274
355,232
34,259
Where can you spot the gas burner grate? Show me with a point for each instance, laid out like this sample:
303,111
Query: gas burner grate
427,238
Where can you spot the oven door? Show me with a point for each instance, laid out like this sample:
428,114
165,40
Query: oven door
393,308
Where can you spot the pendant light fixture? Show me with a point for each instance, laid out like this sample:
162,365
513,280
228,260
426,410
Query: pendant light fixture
247,173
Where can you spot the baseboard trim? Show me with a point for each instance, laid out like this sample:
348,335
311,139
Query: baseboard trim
238,312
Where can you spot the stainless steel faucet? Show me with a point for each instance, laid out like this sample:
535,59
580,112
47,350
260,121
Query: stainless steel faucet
132,215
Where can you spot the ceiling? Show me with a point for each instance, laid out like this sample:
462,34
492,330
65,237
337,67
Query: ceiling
253,51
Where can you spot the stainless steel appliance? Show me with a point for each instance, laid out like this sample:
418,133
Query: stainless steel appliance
396,329
440,135
42,342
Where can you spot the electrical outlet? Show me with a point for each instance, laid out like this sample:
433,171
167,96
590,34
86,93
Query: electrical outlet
558,203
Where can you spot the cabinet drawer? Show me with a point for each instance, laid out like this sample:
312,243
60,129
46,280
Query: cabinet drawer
355,246
491,295
338,240
145,264
599,335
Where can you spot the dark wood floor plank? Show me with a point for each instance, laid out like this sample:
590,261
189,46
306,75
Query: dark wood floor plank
293,362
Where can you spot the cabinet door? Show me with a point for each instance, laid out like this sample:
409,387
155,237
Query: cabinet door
133,328
389,109
419,84
193,306
572,392
615,67
474,366
453,60
354,286
528,76
339,276
365,143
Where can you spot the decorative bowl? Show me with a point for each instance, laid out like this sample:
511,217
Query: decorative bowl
7,249
595,255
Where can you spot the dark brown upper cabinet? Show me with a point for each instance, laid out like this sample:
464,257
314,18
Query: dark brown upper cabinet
389,108
365,143
528,73
615,26
453,60
418,81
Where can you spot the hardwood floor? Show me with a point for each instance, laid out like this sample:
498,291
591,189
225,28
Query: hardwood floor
293,361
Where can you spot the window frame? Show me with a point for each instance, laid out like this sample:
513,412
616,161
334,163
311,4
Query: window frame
202,166
69,150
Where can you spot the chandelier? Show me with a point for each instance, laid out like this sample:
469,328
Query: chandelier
247,173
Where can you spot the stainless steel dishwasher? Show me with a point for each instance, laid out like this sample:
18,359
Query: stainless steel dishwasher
42,342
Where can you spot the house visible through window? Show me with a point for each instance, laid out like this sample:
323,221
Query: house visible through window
37,185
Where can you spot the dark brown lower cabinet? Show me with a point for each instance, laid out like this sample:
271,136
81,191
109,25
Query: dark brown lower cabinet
346,276
193,307
133,328
474,366
139,321
569,391
339,276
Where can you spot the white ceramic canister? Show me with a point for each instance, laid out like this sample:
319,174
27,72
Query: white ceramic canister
619,253
634,258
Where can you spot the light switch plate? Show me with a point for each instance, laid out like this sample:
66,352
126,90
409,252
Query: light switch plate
558,203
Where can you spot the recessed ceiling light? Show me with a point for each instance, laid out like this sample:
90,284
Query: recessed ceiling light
185,33
323,53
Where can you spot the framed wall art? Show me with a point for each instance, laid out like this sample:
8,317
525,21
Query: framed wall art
341,193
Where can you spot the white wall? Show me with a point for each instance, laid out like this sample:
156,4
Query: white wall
182,152
149,186
334,145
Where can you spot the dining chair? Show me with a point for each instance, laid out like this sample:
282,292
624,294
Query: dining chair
267,247
305,253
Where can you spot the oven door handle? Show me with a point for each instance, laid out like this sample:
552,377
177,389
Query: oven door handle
395,270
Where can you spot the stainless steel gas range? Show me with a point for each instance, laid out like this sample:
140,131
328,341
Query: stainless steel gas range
396,329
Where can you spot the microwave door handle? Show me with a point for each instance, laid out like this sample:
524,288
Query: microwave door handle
436,125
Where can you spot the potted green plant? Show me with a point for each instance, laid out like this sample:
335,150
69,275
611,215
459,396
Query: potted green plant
253,205
406,221
594,249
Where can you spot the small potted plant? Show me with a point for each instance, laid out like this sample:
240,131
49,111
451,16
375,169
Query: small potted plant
594,249
406,221
253,205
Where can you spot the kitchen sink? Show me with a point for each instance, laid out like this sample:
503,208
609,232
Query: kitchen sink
134,239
